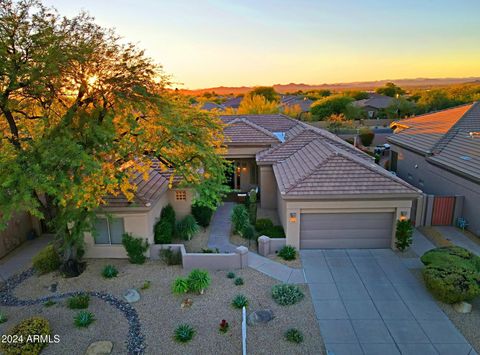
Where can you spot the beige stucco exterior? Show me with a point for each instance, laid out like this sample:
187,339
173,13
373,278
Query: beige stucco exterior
268,187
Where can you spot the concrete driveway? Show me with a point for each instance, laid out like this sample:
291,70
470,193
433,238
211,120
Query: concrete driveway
368,302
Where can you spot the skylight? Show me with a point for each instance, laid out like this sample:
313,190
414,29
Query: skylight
465,157
280,136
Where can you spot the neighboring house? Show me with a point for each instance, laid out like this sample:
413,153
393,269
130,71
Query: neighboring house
233,102
327,193
374,104
440,154
209,106
296,100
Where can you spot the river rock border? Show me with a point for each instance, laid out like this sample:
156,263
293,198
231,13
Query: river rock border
135,341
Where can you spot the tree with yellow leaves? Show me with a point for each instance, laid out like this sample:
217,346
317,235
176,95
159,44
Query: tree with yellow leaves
256,105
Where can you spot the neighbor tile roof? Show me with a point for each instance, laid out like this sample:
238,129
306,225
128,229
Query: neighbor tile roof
447,138
242,131
272,123
375,100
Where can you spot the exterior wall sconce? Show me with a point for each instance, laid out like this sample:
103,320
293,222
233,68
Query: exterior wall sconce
293,217
403,216
244,168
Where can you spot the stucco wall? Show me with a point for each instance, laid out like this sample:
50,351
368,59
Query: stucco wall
16,231
268,187
244,151
182,208
438,181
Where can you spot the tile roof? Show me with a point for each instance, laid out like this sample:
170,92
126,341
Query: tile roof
447,138
322,169
208,106
242,131
148,191
233,102
272,123
375,100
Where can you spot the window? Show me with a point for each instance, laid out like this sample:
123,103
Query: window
181,195
109,231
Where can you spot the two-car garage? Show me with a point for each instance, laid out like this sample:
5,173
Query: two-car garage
346,230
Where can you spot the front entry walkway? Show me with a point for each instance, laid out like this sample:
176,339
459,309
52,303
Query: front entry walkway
367,302
220,238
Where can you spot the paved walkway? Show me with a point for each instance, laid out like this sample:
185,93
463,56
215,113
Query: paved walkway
460,239
220,238
367,302
20,259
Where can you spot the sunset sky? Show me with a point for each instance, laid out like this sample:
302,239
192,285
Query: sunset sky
233,43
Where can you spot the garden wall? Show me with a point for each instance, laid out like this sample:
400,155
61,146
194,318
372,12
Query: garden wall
18,228
267,245
209,261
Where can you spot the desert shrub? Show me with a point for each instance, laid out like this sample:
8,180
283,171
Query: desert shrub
263,224
83,319
3,317
231,275
28,327
240,301
248,232
294,335
135,247
184,333
198,281
109,272
403,234
274,232
238,281
288,253
49,303
170,256
180,286
146,285
203,214
451,284
47,260
287,294
453,255
240,218
78,302
163,232
366,136
187,227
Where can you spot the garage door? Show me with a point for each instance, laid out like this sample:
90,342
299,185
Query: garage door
345,230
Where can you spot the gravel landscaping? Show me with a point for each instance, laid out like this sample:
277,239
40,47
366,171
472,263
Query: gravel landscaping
197,243
160,312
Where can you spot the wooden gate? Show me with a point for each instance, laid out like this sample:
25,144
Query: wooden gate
443,207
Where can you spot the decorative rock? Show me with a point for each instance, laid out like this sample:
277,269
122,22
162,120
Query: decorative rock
132,295
103,347
187,303
462,307
53,287
260,317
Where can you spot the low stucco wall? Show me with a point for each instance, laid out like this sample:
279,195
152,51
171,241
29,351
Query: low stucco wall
221,261
268,246
19,226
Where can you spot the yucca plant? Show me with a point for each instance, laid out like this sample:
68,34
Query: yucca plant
109,272
180,286
187,227
198,281
184,333
83,319
240,301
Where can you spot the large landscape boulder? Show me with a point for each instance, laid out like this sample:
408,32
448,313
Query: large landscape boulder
260,317
103,347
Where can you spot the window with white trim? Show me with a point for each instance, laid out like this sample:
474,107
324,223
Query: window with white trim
181,195
109,231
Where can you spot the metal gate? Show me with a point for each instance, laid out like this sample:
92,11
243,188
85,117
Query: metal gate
443,207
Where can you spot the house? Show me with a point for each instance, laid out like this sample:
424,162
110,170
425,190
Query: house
440,154
209,106
374,104
233,102
327,193
304,103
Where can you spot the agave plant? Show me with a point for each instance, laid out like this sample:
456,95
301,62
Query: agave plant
184,333
83,319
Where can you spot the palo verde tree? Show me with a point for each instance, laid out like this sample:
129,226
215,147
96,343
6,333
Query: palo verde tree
80,115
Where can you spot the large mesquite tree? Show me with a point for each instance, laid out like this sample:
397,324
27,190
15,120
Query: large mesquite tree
80,113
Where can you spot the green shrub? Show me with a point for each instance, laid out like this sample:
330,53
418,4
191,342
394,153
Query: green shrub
231,275
366,136
238,281
170,256
83,319
180,286
109,272
252,206
294,335
184,333
163,232
135,247
452,284
78,302
3,317
146,285
288,253
47,260
263,224
34,325
287,294
403,234
203,214
454,255
198,281
210,251
49,303
239,218
187,227
240,301
168,214
248,232
274,232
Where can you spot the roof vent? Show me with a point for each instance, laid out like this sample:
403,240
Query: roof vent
474,134
280,136
465,157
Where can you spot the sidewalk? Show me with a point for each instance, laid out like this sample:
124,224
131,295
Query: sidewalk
220,238
21,258
458,238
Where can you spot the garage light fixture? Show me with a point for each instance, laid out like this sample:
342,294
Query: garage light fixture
403,215
293,217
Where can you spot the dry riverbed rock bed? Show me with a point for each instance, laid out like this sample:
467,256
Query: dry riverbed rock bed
160,312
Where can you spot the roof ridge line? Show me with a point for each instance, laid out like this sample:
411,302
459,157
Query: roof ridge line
277,147
253,125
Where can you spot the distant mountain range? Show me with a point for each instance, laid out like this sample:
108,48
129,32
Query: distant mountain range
421,83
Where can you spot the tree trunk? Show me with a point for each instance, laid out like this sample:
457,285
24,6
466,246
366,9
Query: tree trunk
71,266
